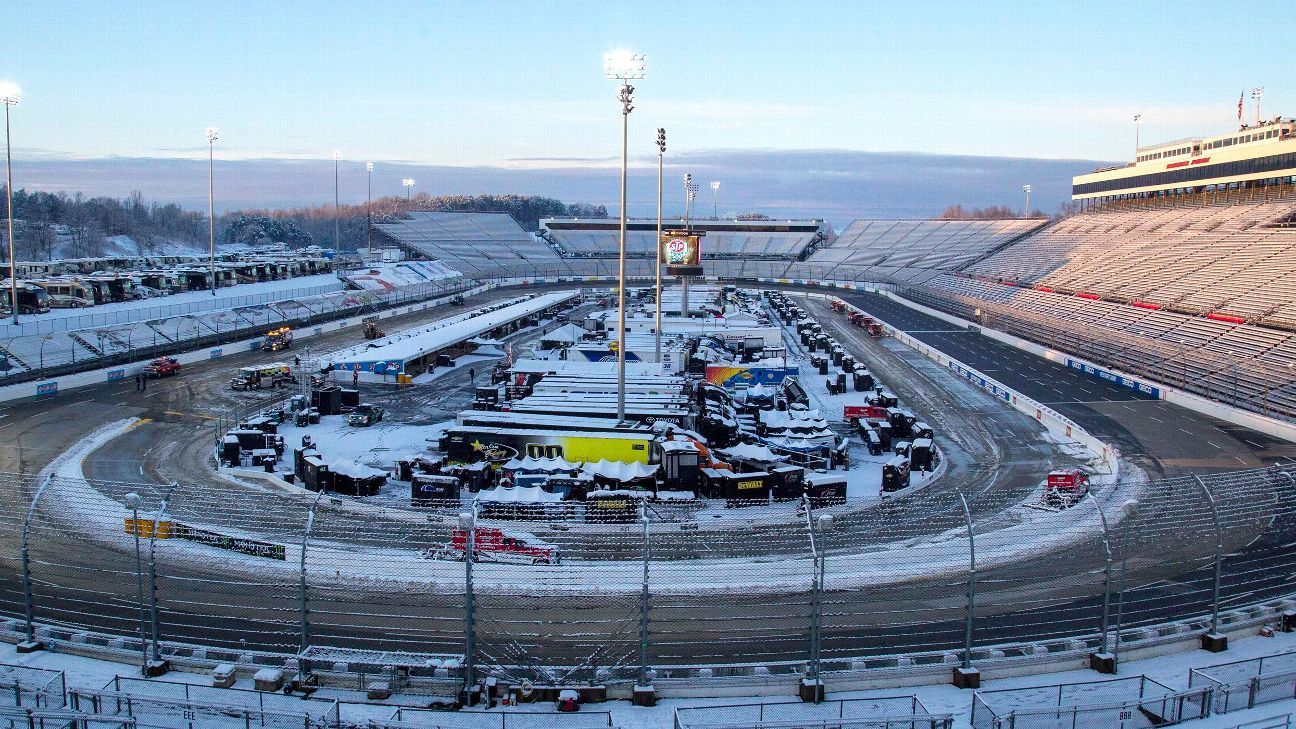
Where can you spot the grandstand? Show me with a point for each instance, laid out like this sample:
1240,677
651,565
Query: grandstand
477,244
1180,267
1187,255
745,239
912,250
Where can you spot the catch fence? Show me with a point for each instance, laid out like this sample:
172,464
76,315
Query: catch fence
205,573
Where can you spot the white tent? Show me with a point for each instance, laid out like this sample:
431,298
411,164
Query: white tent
618,471
518,495
565,334
751,452
557,464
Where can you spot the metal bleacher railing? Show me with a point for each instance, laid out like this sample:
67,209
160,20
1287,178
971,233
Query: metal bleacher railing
27,357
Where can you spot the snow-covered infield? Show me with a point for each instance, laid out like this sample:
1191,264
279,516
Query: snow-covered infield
902,561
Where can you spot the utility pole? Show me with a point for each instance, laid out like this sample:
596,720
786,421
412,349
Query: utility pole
337,208
369,210
212,135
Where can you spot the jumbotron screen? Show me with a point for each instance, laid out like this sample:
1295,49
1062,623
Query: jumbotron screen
681,250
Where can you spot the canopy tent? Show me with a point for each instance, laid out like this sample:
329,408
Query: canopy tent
618,471
519,495
751,452
565,334
557,464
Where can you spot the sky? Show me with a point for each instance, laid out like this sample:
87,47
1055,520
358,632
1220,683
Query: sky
519,85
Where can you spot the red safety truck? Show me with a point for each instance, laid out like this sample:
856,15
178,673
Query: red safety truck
162,367
497,545
1065,487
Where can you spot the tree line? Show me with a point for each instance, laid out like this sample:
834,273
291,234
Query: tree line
49,225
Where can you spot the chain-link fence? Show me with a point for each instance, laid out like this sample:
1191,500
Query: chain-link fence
35,687
882,712
1246,684
734,591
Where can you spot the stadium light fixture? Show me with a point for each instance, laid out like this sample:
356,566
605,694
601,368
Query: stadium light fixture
661,155
212,135
369,208
1137,118
624,66
10,95
337,208
1256,93
1027,190
408,182
715,200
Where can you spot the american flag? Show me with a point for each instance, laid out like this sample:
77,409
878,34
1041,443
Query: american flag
1240,104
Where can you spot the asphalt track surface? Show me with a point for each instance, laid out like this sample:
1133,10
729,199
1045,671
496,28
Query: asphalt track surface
208,604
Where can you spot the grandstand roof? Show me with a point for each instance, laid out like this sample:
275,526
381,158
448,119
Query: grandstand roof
600,237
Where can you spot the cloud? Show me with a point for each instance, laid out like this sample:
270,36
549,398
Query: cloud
837,185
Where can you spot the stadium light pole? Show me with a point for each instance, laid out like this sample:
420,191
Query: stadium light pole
337,208
1137,119
1026,189
661,156
408,182
369,209
212,135
625,67
715,200
9,96
1256,93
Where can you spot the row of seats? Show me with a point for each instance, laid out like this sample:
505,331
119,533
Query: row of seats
1191,257
879,249
477,244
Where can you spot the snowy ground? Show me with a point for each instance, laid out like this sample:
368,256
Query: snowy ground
87,673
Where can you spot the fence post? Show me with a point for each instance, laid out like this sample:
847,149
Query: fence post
133,501
468,524
644,694
1213,641
1130,508
304,664
812,687
31,644
157,666
966,676
1101,661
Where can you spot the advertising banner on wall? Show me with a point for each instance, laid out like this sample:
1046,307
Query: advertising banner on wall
681,251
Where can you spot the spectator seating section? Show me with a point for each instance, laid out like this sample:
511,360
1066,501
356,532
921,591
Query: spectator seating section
912,250
478,244
1191,256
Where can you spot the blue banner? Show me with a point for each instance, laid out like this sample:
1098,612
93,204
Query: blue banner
1114,378
45,389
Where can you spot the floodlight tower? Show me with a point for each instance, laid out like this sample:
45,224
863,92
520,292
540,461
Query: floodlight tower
212,135
1256,93
715,200
1026,189
10,96
408,182
661,155
623,66
1137,119
337,208
369,209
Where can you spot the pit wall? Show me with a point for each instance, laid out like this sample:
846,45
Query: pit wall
1196,403
1056,423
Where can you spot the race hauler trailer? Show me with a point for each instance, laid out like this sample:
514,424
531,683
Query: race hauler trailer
278,339
471,444
504,419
